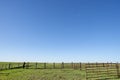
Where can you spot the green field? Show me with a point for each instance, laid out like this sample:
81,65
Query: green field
43,74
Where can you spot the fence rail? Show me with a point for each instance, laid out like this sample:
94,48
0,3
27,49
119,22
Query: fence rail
102,71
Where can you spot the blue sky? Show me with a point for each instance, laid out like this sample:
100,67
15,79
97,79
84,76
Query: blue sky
60,30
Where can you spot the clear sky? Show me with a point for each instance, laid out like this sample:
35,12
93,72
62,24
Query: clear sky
60,30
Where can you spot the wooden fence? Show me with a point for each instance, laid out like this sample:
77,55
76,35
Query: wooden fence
62,65
7,66
29,65
102,71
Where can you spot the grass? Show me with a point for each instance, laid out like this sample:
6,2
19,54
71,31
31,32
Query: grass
42,74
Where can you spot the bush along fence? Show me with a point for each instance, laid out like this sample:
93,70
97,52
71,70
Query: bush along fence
102,71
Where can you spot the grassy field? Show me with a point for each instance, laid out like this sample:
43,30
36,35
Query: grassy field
42,74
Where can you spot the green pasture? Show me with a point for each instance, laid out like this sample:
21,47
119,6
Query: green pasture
50,73
42,74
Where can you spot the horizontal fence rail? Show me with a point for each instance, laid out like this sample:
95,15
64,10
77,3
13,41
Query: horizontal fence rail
102,71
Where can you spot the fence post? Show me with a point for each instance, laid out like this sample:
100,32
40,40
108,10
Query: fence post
72,65
24,65
44,65
117,67
80,66
111,64
53,65
62,66
9,66
103,64
96,64
36,65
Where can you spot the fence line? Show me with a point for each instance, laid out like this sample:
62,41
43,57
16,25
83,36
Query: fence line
28,65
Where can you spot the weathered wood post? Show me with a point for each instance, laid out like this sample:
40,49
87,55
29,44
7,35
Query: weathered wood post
80,66
62,65
36,65
96,64
72,65
44,65
9,66
103,64
24,65
111,64
53,65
